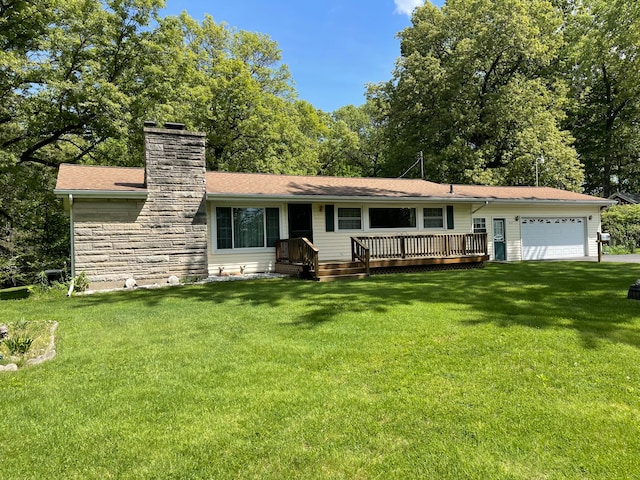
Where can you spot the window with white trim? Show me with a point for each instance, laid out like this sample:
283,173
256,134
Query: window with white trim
433,217
247,227
349,218
480,225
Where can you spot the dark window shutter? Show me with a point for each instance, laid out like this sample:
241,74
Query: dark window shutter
273,226
223,228
329,218
450,217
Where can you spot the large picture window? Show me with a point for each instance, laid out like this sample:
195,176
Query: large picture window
349,219
247,227
392,217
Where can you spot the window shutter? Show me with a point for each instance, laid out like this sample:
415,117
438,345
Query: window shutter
223,228
273,226
450,217
329,218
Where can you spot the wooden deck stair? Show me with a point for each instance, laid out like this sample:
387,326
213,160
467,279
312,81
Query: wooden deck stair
339,270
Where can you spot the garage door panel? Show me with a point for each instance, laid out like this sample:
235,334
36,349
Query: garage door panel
548,238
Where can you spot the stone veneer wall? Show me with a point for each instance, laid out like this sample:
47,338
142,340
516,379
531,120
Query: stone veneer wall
149,240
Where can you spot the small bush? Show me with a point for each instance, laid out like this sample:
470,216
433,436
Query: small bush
81,282
623,223
18,345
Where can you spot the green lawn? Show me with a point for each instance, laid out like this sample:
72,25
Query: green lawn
515,371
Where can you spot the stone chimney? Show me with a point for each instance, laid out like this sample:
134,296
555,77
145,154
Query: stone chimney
174,215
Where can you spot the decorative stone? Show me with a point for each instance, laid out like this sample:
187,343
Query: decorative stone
11,367
4,331
173,280
130,283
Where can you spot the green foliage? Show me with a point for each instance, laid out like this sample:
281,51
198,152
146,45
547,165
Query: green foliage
473,91
81,282
602,67
623,223
18,345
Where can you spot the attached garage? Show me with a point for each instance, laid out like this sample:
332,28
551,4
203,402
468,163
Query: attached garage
545,238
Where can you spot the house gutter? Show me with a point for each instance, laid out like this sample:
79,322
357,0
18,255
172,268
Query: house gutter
447,199
101,194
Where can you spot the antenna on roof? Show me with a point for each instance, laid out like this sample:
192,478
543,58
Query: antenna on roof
420,160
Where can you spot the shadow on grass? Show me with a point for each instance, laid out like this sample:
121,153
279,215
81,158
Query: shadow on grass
588,298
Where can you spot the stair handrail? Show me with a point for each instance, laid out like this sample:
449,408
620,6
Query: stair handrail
361,253
298,250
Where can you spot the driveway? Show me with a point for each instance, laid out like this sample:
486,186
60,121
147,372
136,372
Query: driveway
630,258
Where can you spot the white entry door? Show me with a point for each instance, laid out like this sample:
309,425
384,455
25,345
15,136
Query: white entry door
551,238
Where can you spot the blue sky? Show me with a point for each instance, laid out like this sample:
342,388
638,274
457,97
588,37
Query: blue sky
333,48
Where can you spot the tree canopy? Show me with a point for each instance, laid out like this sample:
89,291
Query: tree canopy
474,90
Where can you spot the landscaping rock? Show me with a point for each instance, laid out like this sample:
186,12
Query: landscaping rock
173,280
130,283
10,367
4,332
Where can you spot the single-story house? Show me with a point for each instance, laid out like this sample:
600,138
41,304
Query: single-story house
172,217
624,198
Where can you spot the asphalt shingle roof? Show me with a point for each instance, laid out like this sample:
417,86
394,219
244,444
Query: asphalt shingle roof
95,179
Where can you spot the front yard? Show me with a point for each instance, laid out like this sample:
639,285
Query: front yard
515,371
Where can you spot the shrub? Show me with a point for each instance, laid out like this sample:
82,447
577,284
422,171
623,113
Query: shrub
18,345
623,223
81,282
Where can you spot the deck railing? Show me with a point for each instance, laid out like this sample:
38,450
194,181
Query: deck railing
361,253
297,251
417,246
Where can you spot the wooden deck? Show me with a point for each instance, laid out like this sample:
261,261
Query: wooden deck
377,253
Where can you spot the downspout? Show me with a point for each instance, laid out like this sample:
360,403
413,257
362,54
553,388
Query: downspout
71,238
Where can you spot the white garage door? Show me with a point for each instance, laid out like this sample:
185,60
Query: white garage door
548,238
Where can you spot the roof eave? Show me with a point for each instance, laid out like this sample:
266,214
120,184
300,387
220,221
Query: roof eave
121,194
451,198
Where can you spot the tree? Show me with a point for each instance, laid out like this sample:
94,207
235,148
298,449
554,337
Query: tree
352,146
603,68
69,74
475,91
237,92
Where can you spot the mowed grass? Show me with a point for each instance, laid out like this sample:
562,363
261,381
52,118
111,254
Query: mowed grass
514,371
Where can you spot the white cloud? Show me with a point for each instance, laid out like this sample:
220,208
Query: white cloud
406,7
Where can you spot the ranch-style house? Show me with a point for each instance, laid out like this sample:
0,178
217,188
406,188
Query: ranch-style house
173,218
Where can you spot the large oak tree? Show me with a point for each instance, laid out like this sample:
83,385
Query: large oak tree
475,91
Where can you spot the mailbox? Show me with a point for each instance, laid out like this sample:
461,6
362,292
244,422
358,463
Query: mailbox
604,238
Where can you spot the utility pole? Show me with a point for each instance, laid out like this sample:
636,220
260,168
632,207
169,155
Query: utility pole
541,162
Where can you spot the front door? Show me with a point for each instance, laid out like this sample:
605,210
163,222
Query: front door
499,240
300,221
